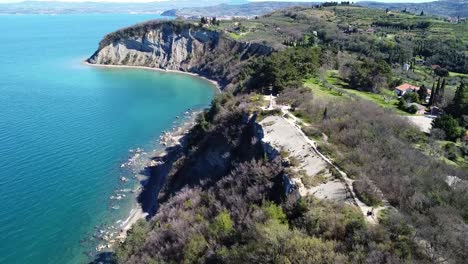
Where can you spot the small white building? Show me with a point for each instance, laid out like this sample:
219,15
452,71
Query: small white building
406,67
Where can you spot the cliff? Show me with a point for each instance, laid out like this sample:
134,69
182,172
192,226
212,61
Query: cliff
174,45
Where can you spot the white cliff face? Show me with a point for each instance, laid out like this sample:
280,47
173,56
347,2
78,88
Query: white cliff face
174,47
159,48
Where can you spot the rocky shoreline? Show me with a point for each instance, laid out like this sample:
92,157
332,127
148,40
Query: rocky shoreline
155,170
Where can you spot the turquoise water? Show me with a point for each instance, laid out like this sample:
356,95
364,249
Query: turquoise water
65,128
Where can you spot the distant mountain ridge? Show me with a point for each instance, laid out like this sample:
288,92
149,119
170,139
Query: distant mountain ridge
56,7
451,8
219,8
228,10
168,8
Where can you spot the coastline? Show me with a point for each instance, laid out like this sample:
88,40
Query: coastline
146,194
158,166
173,145
213,82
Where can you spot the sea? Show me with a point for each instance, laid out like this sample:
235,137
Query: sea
66,128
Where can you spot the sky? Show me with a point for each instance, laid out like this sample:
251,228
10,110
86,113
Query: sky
228,1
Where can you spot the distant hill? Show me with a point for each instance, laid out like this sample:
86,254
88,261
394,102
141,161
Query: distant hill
219,8
451,8
226,10
55,7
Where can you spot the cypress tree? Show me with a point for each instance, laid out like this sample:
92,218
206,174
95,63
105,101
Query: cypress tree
431,100
325,114
441,92
436,93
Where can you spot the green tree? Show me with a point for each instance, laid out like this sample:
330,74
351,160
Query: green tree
274,211
284,69
135,239
222,224
411,97
449,125
422,92
459,106
439,92
194,249
441,72
367,75
203,20
215,21
433,92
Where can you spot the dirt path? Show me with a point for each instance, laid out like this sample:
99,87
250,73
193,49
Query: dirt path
295,122
291,137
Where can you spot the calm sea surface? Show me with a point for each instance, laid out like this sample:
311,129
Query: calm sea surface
65,128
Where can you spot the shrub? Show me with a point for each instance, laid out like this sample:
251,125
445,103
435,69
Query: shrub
367,192
194,249
449,125
294,161
451,151
222,224
412,109
311,132
135,240
408,102
411,97
441,72
464,148
312,181
274,211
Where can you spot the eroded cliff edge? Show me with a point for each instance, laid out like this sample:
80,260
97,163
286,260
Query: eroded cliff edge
176,45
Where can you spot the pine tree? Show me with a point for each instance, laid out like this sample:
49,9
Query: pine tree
459,106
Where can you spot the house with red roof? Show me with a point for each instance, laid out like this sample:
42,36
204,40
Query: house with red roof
404,88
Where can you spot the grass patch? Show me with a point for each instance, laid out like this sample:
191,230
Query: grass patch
234,35
457,74
386,99
265,113
313,181
302,116
320,91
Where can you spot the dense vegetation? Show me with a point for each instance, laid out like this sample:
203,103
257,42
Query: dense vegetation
244,216
224,201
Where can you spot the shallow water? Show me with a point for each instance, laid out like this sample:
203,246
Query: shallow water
65,128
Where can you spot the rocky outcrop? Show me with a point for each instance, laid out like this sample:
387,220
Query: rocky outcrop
175,45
